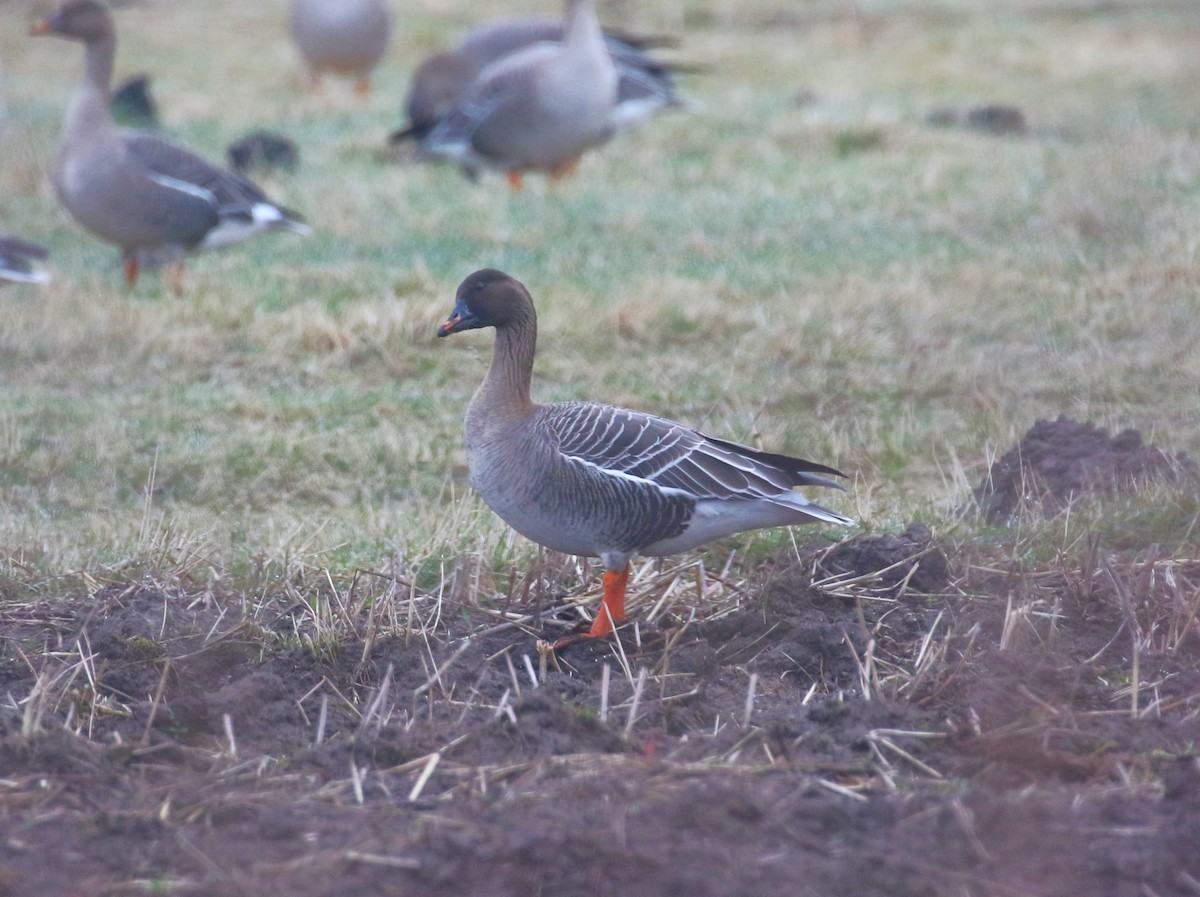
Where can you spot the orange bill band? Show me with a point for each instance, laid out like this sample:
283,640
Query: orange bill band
450,326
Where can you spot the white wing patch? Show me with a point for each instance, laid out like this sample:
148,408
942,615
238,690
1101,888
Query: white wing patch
184,187
24,276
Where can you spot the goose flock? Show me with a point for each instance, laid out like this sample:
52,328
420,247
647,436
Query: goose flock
514,96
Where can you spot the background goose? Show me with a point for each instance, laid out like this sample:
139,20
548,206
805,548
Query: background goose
538,108
345,37
645,85
16,261
133,104
151,197
608,482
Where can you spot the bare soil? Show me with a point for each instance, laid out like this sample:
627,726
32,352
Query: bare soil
888,716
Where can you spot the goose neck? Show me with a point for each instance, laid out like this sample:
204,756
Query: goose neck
582,26
98,67
506,387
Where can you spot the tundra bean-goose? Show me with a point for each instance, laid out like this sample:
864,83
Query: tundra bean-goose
16,261
344,37
152,197
607,482
539,108
645,85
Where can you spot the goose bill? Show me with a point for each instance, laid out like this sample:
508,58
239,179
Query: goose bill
460,319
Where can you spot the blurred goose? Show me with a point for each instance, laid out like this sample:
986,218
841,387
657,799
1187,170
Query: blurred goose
151,197
645,85
608,482
132,103
16,261
541,107
263,149
346,37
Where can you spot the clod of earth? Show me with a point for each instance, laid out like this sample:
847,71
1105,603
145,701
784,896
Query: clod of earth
1061,461
912,561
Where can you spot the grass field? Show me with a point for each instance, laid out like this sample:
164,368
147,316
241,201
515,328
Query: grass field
800,260
903,311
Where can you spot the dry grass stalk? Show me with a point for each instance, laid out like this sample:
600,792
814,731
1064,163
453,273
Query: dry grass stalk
423,779
749,708
637,698
605,677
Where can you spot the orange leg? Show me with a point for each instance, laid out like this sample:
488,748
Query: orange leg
515,180
610,612
558,172
362,87
177,277
131,270
612,603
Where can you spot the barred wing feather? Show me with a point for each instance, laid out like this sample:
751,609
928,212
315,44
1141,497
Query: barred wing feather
170,160
673,456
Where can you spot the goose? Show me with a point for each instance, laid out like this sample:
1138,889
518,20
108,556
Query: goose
133,104
645,85
600,481
540,108
263,149
152,197
16,261
346,37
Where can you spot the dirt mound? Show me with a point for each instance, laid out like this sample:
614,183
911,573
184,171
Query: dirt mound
911,560
1060,461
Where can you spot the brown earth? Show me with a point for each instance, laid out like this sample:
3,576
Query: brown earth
884,716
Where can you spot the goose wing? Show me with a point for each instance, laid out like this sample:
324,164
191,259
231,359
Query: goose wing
15,258
671,456
211,203
170,161
171,194
503,87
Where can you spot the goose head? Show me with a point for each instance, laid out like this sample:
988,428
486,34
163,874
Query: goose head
82,20
489,298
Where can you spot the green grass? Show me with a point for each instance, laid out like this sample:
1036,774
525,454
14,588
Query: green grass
835,278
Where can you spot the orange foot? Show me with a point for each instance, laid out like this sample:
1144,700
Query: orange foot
362,87
515,180
560,171
131,270
176,272
611,611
